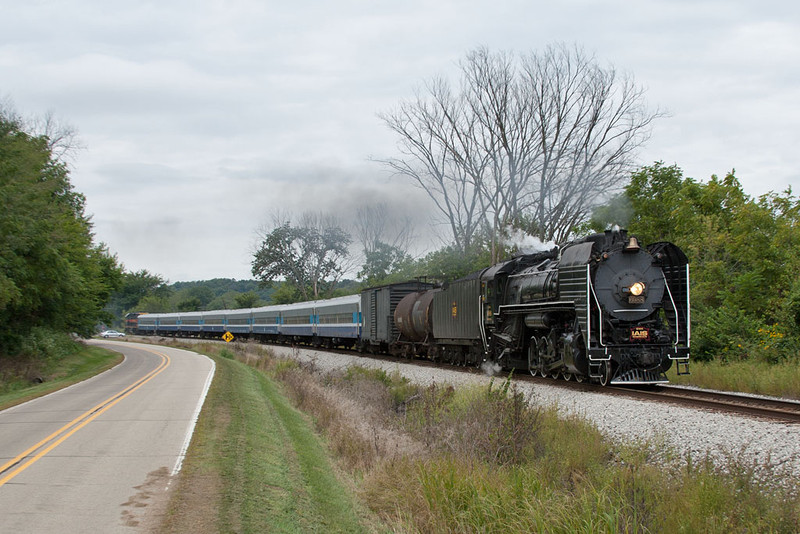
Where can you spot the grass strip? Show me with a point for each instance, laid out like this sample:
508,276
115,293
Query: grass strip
256,465
71,369
747,376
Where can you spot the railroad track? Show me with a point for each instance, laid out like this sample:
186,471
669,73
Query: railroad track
781,410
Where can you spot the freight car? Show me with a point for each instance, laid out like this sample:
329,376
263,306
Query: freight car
602,308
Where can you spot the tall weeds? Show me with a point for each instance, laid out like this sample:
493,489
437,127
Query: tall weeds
486,459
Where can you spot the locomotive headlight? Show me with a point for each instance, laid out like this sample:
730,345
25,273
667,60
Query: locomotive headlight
636,289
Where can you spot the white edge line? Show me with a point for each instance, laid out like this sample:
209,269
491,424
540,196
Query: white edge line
193,421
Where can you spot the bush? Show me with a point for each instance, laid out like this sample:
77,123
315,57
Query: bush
48,345
731,335
494,425
225,353
395,389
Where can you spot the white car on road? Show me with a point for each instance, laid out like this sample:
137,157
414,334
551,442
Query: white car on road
112,333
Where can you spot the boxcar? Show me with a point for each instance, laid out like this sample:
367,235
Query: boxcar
377,311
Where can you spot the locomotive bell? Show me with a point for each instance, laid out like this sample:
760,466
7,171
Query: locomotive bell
632,246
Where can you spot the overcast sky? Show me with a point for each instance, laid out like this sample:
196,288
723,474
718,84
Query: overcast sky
201,119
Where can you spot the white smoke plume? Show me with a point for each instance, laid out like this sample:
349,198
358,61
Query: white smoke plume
527,244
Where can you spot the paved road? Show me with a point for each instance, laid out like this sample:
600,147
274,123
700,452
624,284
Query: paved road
99,456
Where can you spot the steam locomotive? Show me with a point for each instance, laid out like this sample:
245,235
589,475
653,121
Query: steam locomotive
601,308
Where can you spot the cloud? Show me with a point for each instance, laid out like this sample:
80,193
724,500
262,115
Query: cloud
200,119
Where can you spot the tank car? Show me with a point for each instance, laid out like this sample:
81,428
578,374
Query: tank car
380,327
602,308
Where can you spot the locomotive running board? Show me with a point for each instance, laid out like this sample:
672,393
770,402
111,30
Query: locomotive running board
639,376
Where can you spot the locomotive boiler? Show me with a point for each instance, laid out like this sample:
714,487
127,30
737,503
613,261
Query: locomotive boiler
603,308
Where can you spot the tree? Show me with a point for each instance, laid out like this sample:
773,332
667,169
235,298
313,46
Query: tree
429,131
448,263
189,304
375,227
52,276
547,135
247,300
134,287
589,122
744,255
382,261
310,256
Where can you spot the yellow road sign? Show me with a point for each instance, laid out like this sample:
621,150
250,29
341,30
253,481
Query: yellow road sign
228,337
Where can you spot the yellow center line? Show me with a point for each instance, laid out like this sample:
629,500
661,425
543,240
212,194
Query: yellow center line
78,423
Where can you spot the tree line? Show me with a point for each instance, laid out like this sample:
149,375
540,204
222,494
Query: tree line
143,291
54,280
744,256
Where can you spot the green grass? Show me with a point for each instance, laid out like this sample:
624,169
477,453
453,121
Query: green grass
747,376
256,465
56,374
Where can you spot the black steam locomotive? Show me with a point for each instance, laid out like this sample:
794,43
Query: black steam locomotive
602,308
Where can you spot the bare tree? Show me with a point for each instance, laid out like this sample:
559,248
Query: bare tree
432,130
374,225
589,124
62,138
506,139
385,241
541,137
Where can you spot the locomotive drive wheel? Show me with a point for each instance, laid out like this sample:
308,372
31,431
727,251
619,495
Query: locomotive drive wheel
533,357
605,373
541,347
547,353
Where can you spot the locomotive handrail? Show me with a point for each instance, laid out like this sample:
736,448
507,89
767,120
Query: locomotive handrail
675,309
482,326
589,320
688,310
677,317
561,305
